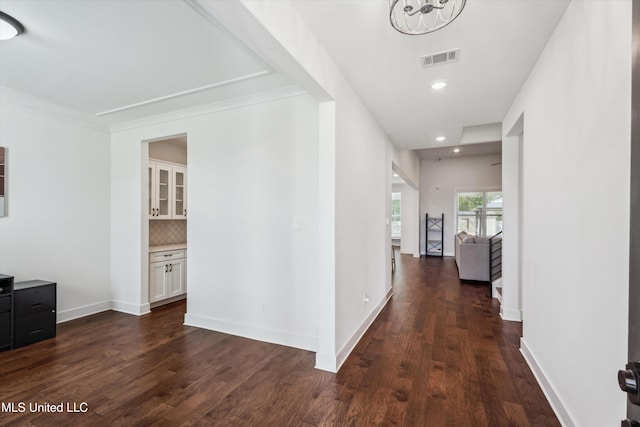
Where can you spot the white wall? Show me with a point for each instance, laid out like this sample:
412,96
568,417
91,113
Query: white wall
576,106
363,257
57,223
362,171
252,170
440,181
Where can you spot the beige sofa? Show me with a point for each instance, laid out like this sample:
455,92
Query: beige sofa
472,257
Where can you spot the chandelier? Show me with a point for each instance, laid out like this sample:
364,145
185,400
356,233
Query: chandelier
416,17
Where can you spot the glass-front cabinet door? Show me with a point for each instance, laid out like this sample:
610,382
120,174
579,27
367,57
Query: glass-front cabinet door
179,193
159,191
163,187
152,191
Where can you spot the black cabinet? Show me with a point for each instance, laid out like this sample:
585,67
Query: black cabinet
6,318
34,312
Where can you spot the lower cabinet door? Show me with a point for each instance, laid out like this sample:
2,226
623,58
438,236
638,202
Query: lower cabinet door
178,276
158,281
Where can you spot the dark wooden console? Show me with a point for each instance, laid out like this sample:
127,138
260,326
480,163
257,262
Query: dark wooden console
34,312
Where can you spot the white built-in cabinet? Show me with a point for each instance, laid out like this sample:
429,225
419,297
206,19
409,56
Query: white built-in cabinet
167,274
167,190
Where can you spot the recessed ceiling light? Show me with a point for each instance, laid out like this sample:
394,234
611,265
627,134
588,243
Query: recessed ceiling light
9,27
439,84
440,138
395,175
456,150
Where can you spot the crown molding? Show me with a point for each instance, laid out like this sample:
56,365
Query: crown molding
21,101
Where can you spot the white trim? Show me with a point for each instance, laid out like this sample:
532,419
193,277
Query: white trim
510,314
125,307
227,104
547,388
82,311
357,336
23,102
494,292
182,93
304,342
326,362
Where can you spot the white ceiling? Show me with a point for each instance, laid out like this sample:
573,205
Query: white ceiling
480,149
499,41
122,60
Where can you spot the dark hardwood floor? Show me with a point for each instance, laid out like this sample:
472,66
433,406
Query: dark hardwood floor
438,355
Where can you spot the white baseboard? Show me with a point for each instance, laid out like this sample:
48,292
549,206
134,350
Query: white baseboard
128,308
326,362
547,388
351,344
494,292
253,332
510,314
82,311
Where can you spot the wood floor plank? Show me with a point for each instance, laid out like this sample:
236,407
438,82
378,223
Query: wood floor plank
437,355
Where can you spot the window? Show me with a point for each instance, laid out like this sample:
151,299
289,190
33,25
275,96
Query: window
479,213
396,226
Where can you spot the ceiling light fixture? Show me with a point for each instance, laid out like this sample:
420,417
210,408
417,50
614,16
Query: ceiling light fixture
439,84
417,17
9,27
440,138
456,150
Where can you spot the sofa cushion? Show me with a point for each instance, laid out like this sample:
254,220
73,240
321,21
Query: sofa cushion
482,240
468,239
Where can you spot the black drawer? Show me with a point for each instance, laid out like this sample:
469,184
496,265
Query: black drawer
5,304
5,286
34,300
5,329
34,327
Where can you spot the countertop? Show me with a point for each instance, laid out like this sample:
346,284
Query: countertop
167,247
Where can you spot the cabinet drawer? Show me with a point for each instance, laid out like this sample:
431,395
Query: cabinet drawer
5,304
166,255
5,329
5,286
34,327
35,300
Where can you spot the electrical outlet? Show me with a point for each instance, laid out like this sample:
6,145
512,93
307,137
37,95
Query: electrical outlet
296,222
366,299
263,307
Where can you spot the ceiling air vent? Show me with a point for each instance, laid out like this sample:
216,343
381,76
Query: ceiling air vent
440,58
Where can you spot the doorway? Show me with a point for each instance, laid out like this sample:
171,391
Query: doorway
404,223
166,212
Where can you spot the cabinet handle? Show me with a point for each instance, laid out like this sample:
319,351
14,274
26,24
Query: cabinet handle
166,268
170,267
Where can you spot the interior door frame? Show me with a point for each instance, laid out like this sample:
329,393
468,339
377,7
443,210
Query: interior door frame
633,411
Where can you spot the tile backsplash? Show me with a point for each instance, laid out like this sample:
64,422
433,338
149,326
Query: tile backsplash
167,232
